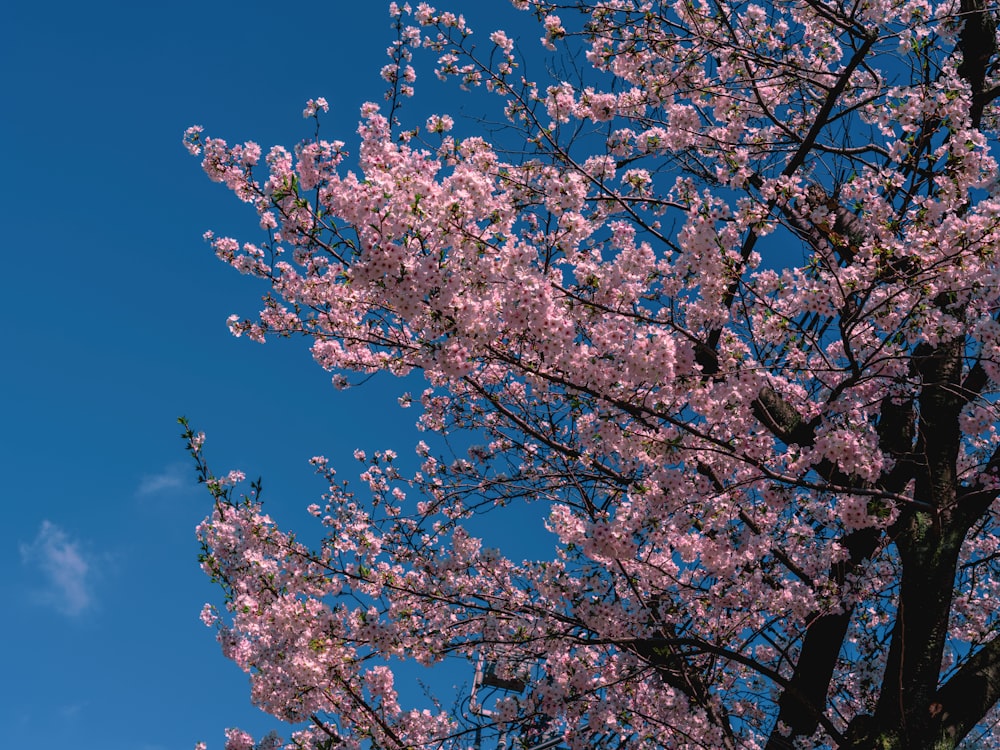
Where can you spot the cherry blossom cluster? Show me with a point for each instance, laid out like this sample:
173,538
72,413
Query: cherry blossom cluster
704,308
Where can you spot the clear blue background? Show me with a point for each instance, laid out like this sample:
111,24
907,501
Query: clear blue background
114,312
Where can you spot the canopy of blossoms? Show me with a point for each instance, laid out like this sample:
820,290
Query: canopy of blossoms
726,304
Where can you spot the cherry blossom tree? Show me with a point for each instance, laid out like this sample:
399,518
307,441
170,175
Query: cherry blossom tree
722,298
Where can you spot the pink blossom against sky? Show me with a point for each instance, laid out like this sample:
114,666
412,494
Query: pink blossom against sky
116,324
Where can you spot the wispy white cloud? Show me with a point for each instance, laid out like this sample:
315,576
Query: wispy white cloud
70,711
65,569
174,477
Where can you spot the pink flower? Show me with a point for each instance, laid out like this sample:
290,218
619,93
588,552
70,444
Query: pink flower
439,124
237,739
208,615
313,106
192,139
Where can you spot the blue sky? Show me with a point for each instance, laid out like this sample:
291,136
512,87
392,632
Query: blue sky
116,312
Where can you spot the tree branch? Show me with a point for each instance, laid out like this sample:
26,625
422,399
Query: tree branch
968,696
